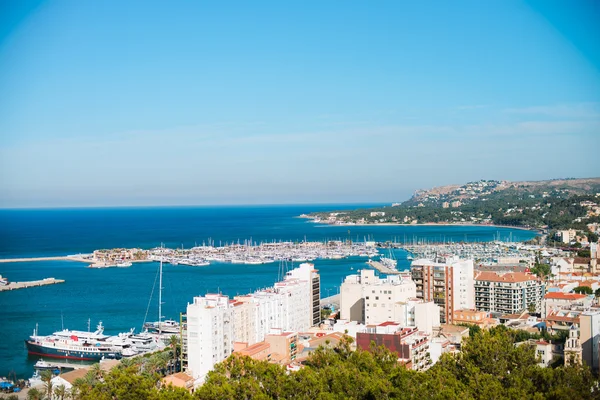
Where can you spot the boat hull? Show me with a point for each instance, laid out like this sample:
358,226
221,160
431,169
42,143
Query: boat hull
52,352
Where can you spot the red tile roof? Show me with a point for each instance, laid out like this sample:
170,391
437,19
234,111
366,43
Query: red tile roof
511,277
564,296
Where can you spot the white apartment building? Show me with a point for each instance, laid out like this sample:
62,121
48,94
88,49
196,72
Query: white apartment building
508,293
368,299
209,333
215,322
415,312
447,282
307,272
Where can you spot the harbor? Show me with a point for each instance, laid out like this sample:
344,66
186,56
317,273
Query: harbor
496,252
384,269
30,284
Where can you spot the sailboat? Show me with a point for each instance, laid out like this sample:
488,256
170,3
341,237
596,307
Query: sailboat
168,326
390,261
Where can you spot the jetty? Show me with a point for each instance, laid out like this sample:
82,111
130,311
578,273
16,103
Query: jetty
382,268
25,285
79,258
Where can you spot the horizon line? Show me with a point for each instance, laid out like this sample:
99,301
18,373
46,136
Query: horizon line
192,205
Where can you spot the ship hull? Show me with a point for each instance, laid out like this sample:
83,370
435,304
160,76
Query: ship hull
53,352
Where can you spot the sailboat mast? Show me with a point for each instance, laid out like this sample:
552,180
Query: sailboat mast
160,294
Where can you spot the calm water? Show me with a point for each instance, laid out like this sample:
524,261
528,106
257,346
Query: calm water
120,296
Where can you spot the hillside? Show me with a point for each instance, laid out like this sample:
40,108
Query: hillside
486,189
554,204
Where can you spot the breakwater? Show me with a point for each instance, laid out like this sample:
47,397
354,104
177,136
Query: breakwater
30,284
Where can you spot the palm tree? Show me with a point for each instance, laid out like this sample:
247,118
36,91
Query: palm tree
34,394
174,344
47,379
60,391
96,372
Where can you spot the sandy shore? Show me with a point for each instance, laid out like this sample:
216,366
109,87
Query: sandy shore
428,224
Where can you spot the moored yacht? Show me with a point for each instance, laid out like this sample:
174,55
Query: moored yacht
73,345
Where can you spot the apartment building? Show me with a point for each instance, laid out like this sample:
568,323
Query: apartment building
411,345
368,299
214,322
447,282
209,333
508,293
307,272
425,315
556,301
589,335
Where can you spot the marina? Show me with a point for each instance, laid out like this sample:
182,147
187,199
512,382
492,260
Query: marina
384,269
45,243
495,252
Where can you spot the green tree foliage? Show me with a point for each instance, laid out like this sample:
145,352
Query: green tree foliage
513,207
541,270
490,366
583,290
34,394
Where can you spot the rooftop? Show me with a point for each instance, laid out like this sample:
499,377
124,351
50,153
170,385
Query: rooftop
564,296
511,277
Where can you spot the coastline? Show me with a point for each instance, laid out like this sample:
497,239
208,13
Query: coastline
537,230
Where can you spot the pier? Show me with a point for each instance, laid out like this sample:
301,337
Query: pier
25,285
58,258
382,268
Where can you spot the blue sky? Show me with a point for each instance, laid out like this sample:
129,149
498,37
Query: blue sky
166,103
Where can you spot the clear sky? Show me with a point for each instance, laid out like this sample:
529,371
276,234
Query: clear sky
218,102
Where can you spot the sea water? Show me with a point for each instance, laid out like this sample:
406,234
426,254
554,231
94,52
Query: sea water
122,298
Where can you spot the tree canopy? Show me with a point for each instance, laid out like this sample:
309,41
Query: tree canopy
489,366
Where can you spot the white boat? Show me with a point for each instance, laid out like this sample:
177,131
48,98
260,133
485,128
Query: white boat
42,365
73,345
167,326
124,264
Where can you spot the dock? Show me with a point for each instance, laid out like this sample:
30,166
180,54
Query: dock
25,285
382,268
79,258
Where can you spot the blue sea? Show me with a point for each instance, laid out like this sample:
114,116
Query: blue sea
121,297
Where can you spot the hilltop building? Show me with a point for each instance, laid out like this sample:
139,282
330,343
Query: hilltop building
447,282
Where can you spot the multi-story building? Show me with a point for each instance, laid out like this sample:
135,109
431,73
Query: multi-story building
307,272
479,318
209,333
589,335
283,344
366,298
508,293
556,301
411,345
214,322
448,283
416,312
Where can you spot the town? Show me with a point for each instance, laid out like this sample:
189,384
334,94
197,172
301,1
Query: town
549,295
